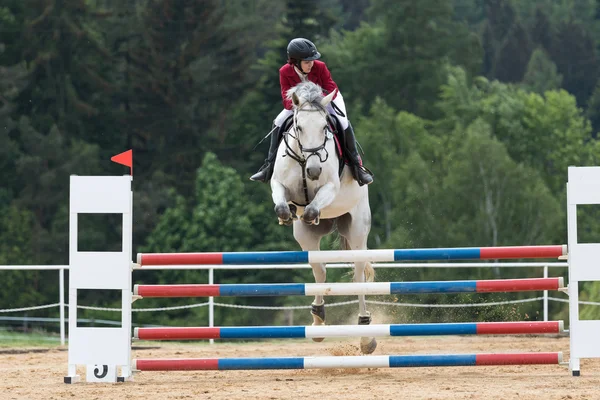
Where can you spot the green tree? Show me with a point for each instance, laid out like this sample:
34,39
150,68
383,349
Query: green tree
513,55
192,66
400,56
42,168
472,11
12,15
497,201
541,74
68,63
593,110
541,31
501,17
16,233
524,122
391,139
575,55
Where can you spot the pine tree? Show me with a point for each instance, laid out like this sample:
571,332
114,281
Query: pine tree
501,16
541,34
489,50
183,76
575,55
593,110
68,63
541,74
513,55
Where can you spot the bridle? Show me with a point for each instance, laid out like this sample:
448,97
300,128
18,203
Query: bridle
314,151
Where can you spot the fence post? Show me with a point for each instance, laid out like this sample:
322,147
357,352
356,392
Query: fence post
211,302
545,295
61,302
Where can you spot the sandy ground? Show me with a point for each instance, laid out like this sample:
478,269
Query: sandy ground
39,375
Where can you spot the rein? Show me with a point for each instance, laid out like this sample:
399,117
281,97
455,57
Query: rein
314,151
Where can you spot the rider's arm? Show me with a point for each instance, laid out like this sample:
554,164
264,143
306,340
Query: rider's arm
285,86
328,84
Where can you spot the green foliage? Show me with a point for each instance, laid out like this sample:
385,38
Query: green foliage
401,55
216,220
11,20
525,122
541,33
541,74
22,288
574,52
471,11
513,55
593,109
192,87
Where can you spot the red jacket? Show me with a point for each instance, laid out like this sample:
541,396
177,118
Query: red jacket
319,74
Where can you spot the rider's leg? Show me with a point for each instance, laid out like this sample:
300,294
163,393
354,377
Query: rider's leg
362,175
266,170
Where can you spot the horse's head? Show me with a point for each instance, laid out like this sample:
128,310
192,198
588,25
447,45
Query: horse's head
311,125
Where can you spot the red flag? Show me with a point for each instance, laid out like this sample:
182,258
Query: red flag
125,158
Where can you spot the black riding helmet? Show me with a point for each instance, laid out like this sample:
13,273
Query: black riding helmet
300,49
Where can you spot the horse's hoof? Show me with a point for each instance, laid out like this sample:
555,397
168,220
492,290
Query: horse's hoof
286,222
318,314
364,320
311,215
367,345
283,212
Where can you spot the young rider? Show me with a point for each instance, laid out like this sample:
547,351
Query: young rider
303,65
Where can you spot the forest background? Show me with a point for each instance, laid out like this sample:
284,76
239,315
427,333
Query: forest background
469,113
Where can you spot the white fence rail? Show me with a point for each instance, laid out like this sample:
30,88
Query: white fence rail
211,268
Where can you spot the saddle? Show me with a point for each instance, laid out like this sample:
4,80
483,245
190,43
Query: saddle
338,136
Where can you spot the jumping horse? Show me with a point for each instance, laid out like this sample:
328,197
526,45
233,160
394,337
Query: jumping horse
315,192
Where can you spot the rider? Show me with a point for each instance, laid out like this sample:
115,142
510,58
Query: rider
303,65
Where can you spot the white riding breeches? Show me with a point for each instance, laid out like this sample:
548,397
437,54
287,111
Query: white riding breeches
338,101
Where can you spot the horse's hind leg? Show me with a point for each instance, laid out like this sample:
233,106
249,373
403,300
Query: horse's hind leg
354,229
309,238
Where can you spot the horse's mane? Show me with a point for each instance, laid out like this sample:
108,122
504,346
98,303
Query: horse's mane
309,91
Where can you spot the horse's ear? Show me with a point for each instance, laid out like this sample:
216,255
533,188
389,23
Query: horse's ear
295,99
327,99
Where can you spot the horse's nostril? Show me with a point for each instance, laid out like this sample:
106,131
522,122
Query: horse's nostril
314,172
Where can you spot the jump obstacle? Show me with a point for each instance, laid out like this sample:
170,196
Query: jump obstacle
104,350
344,289
324,331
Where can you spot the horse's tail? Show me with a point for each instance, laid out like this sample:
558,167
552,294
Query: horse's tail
369,270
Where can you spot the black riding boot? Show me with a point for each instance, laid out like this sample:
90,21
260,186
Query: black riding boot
362,175
266,170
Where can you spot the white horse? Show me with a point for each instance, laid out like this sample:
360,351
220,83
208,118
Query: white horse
306,182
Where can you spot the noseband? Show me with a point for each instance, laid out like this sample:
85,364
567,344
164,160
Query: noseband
314,151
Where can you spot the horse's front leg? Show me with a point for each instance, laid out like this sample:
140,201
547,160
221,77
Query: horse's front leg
318,306
309,237
323,198
282,209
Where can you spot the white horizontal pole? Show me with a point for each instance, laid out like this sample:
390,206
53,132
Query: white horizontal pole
33,267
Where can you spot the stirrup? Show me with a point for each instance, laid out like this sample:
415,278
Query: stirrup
263,174
358,171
